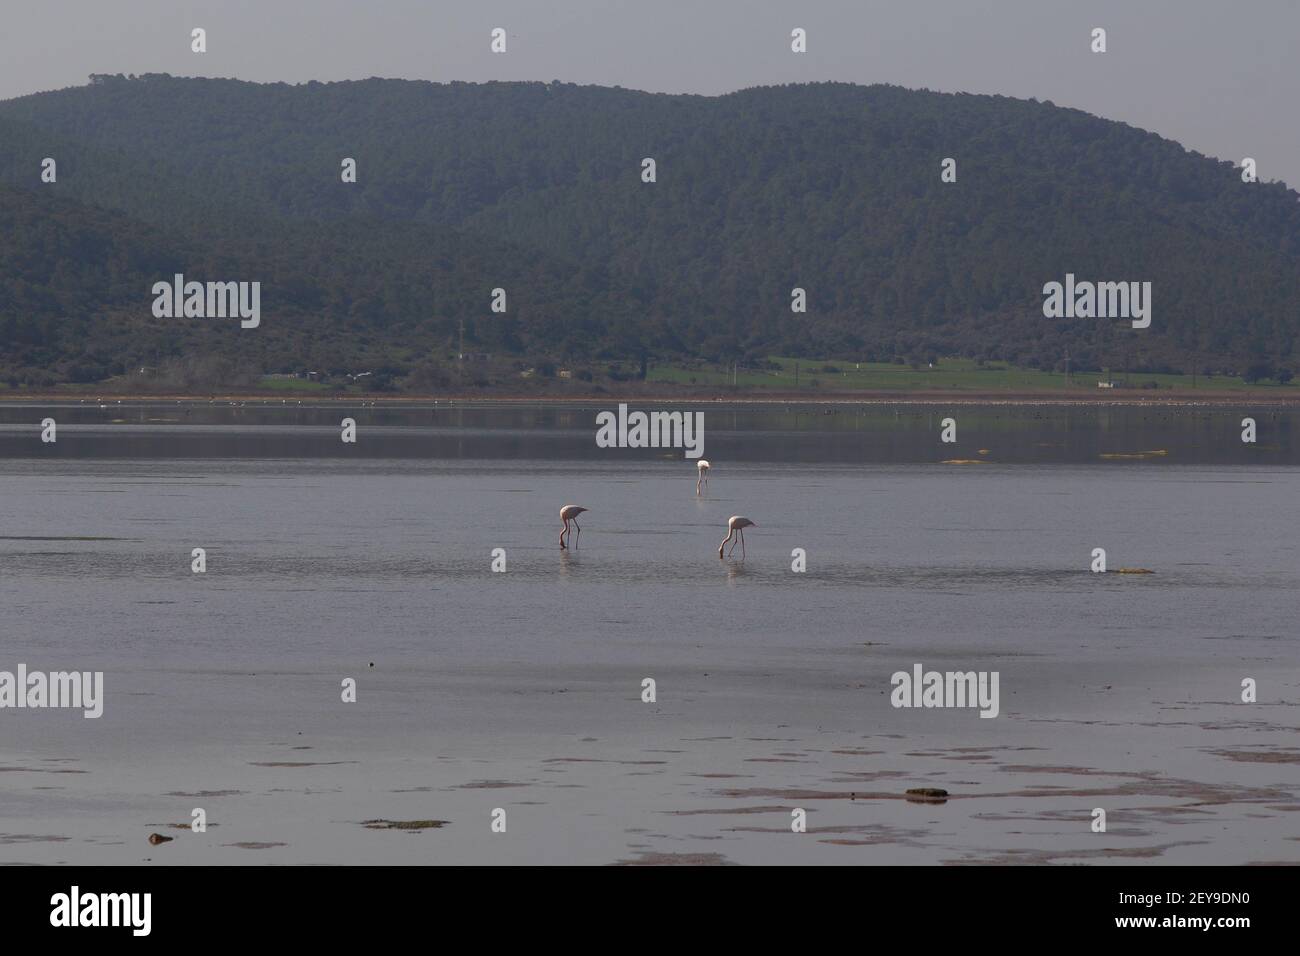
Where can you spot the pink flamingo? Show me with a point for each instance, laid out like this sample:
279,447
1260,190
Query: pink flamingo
703,467
736,525
570,513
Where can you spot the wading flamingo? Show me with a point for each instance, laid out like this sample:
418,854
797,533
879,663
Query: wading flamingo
736,526
570,513
703,466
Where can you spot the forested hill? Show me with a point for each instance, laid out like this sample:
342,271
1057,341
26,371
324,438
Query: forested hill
537,188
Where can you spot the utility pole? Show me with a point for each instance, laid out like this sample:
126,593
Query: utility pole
1200,339
460,356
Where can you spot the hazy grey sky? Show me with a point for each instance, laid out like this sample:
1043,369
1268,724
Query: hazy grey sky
1221,78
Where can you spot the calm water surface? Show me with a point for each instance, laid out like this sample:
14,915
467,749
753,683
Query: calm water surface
479,689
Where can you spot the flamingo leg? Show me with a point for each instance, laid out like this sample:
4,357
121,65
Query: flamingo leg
578,526
742,544
732,549
697,485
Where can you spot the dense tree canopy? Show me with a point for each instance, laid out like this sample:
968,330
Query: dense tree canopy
536,188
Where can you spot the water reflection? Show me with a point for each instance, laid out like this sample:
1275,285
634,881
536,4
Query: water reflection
845,433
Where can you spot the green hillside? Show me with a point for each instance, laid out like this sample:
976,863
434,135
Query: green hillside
536,188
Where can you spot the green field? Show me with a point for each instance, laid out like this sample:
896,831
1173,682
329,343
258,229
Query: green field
956,374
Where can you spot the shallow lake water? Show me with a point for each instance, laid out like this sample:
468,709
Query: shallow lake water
522,691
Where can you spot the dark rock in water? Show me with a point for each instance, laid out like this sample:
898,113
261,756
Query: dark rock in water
403,824
927,795
156,838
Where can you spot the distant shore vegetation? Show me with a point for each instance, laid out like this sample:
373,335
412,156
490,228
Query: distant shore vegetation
776,375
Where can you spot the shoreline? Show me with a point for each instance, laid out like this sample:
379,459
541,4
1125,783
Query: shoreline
1132,398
